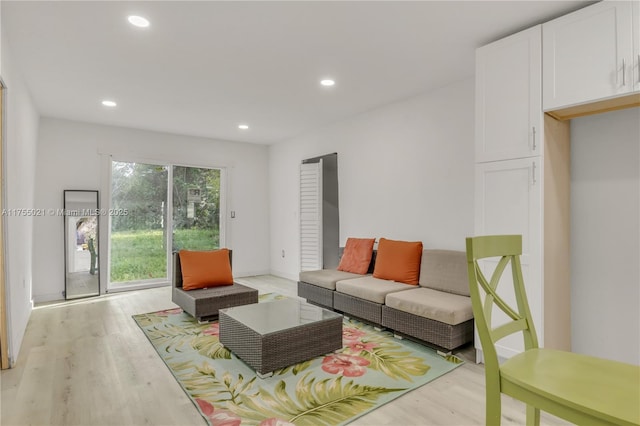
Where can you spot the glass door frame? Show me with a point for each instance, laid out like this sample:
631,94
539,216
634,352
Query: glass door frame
167,219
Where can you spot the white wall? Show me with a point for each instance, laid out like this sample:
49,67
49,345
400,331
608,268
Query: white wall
19,162
605,235
75,155
405,172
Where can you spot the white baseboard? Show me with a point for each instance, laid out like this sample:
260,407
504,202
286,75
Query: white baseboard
504,354
48,297
292,277
250,273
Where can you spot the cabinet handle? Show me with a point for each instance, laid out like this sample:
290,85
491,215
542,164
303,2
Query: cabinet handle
534,137
533,172
638,67
624,67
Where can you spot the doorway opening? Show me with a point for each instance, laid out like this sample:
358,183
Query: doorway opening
319,213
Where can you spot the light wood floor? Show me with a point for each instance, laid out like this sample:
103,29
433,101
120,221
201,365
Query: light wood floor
86,362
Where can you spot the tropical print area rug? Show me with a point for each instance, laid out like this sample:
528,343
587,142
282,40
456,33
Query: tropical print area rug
370,370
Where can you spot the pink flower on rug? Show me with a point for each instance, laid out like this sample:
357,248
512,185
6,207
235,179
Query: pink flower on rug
167,312
213,330
361,346
205,407
218,417
224,418
275,422
350,334
347,365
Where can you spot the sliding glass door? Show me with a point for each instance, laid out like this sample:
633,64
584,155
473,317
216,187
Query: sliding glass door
145,228
138,236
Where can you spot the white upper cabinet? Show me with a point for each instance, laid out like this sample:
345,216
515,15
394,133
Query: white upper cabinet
509,97
588,55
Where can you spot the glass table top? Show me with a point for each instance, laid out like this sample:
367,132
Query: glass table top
277,315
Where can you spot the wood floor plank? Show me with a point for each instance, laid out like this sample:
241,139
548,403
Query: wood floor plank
86,362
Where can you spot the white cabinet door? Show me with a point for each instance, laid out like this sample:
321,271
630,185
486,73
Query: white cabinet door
635,70
508,201
587,55
509,98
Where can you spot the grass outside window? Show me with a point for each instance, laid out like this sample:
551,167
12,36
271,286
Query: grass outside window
141,255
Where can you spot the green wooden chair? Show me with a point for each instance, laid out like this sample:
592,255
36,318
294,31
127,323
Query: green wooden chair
581,389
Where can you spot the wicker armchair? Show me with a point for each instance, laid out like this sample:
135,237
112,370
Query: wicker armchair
204,304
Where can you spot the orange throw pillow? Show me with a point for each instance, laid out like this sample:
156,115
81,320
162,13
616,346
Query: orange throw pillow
357,255
202,269
398,261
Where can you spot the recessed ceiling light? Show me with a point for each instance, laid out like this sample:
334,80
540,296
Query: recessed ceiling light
327,82
108,103
243,126
138,21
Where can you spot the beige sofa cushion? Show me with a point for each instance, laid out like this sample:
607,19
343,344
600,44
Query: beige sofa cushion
445,270
326,278
371,289
433,304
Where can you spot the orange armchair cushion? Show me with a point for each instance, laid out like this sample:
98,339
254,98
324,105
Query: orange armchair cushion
398,261
202,269
357,255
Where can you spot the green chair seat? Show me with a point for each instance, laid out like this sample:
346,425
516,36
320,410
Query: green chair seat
598,388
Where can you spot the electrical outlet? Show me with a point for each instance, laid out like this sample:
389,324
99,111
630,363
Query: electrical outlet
282,252
233,214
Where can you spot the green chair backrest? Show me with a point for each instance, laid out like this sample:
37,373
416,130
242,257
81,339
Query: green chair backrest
484,293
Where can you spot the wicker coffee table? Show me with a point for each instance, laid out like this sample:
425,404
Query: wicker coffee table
273,335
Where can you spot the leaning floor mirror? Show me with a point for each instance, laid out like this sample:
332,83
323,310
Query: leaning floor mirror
81,214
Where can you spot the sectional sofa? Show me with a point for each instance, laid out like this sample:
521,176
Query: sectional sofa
436,311
318,287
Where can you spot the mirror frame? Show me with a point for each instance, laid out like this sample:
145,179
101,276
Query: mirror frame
69,210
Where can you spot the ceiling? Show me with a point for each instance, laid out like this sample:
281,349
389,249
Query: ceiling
201,68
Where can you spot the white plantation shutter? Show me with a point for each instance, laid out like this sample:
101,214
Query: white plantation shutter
311,216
